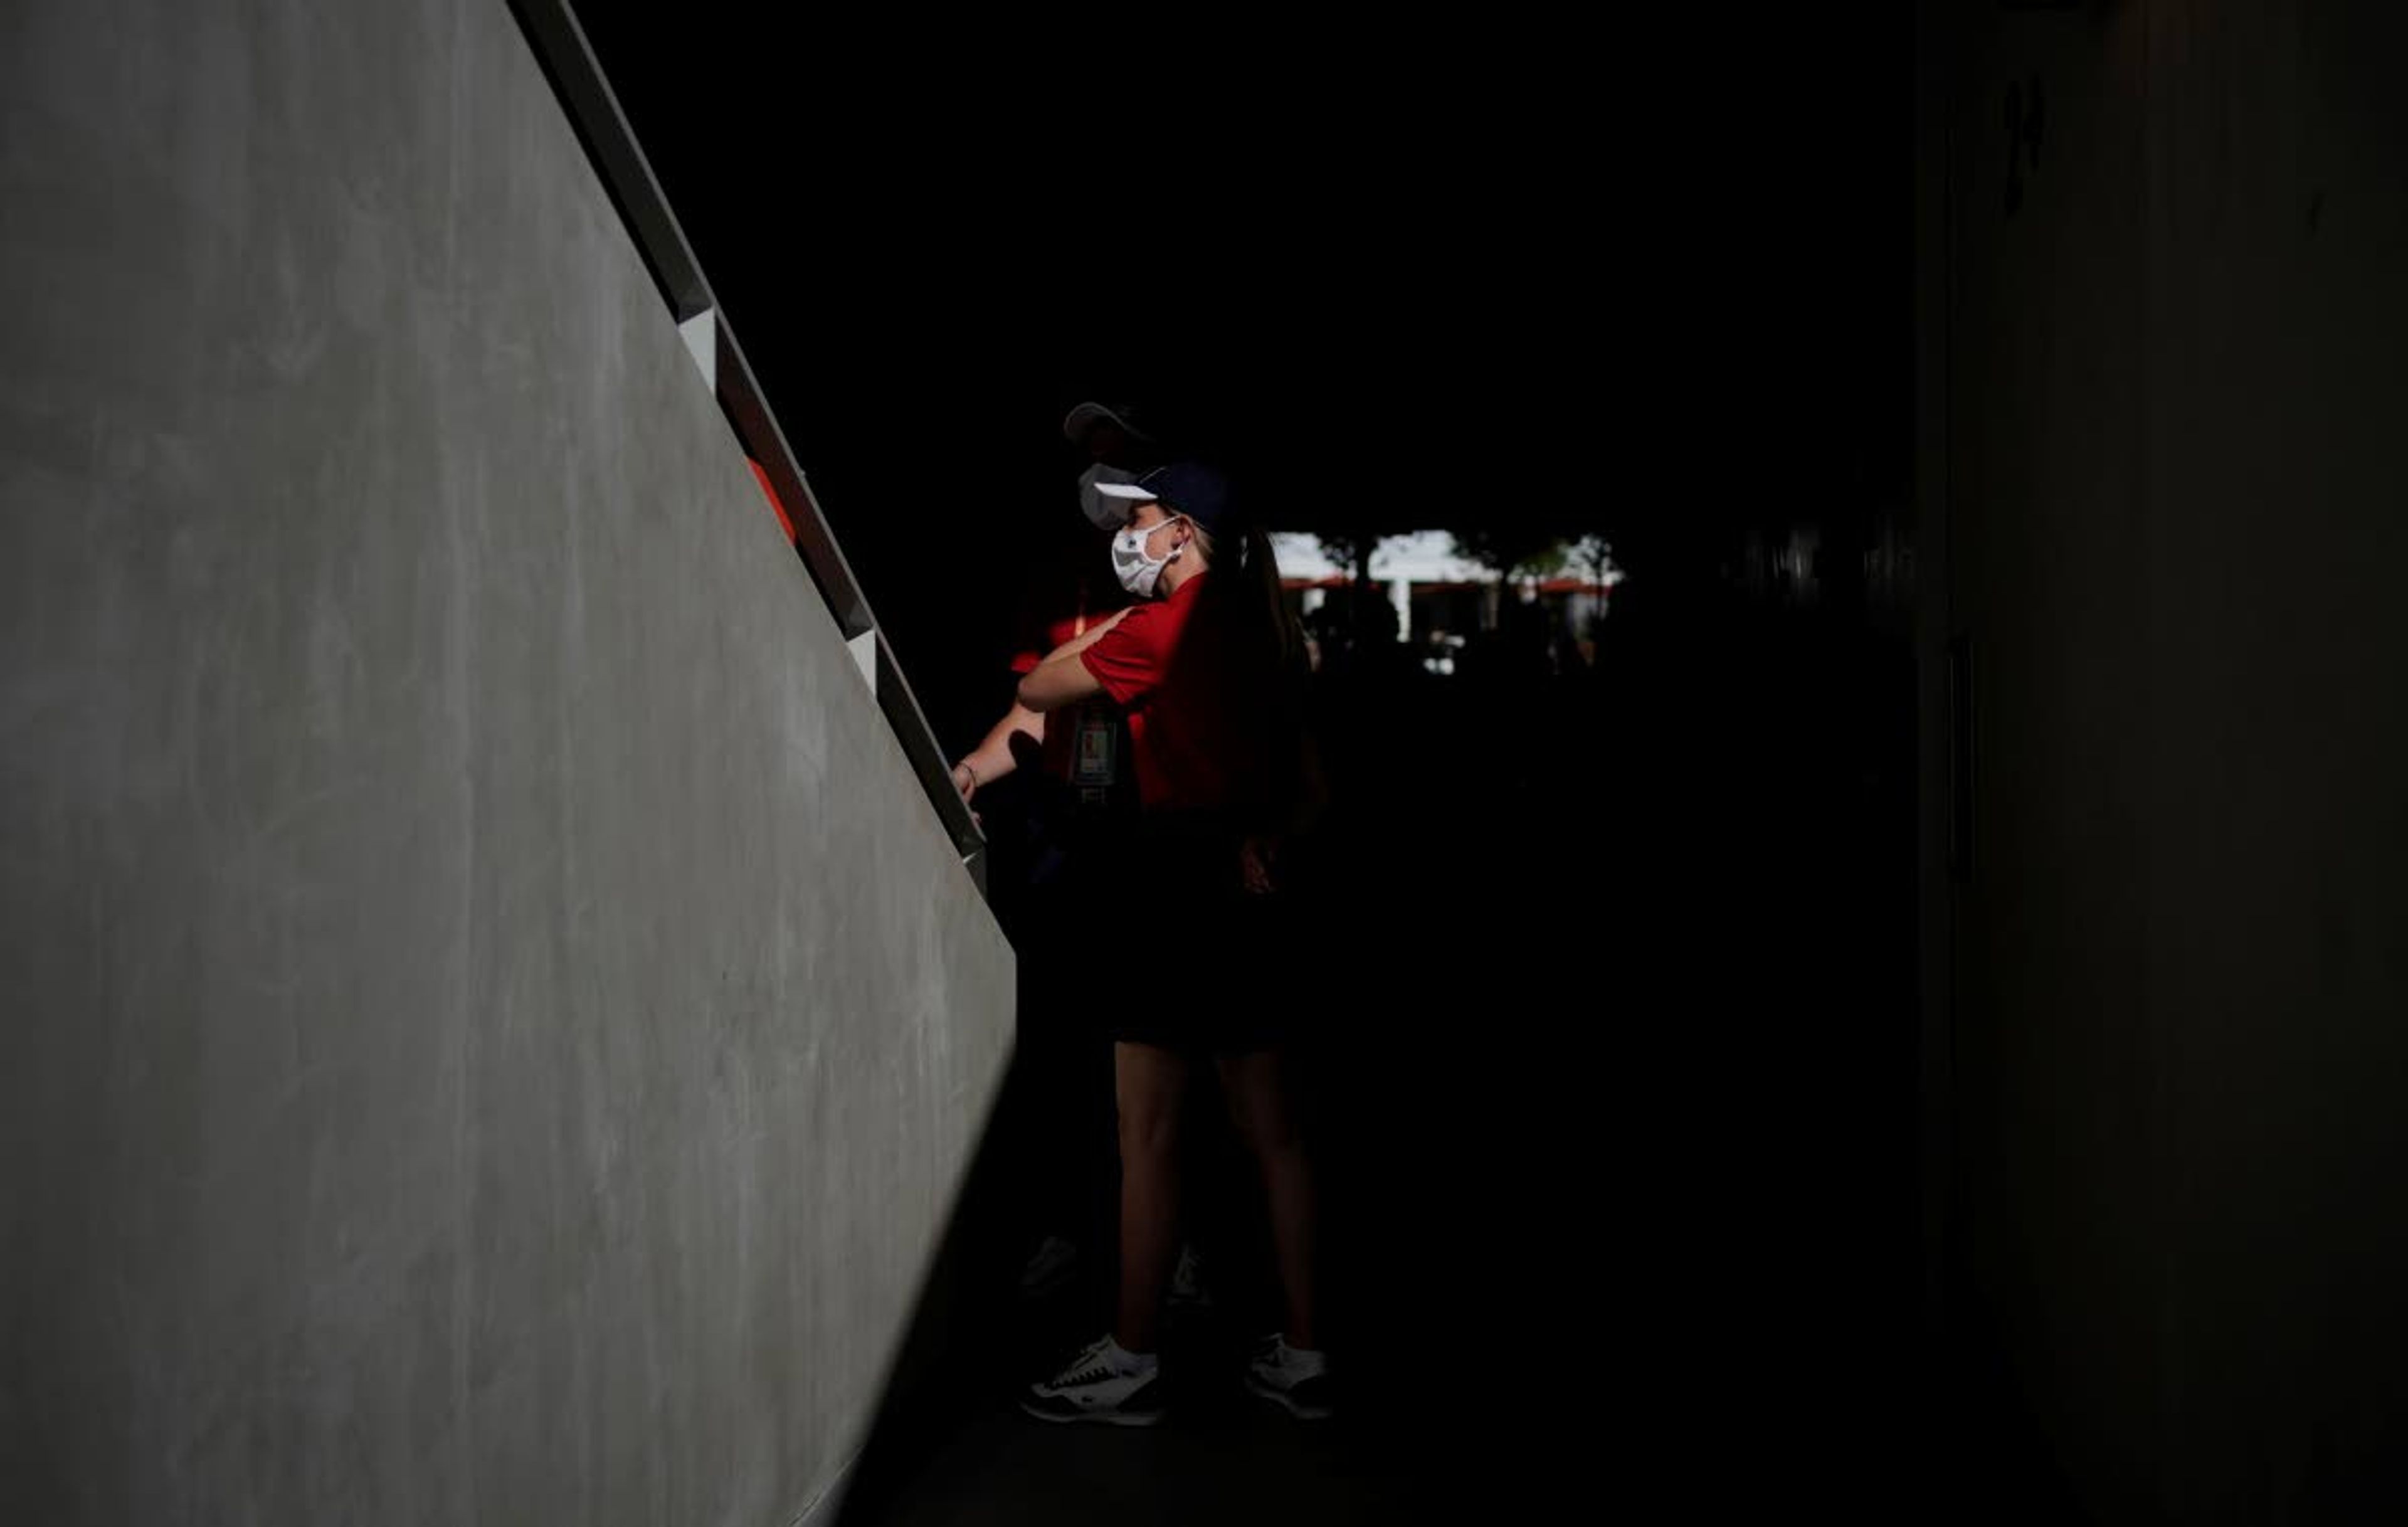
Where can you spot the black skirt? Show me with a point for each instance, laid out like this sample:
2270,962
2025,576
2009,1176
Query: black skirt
1230,992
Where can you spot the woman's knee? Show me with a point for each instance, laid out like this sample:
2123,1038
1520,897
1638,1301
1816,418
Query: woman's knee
1149,1130
1148,1089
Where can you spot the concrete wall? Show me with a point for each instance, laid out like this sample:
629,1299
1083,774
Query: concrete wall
2178,386
493,1025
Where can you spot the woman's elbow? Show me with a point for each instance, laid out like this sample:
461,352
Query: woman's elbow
1032,697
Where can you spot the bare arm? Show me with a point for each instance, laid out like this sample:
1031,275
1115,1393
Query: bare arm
992,758
1062,679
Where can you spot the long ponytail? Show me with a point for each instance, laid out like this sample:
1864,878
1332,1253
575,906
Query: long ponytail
1256,605
1262,568
1261,601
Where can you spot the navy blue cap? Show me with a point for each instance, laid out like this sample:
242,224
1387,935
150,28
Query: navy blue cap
1186,487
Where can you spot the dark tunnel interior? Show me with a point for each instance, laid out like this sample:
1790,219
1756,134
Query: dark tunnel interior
1609,963
1836,616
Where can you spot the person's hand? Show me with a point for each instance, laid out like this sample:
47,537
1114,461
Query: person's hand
1254,860
966,781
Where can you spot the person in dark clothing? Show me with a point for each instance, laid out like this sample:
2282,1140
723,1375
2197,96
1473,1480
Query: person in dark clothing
1068,797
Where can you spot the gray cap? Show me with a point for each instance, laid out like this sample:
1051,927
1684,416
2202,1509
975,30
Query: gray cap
1086,416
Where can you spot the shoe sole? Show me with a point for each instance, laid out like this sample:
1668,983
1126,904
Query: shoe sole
1285,1401
1095,1417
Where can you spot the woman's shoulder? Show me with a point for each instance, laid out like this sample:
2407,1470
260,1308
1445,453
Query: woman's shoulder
1143,615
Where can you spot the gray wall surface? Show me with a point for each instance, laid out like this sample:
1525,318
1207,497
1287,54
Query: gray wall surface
2176,524
494,1027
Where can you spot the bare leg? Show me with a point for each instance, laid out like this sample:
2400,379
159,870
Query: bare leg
1256,1086
1149,1084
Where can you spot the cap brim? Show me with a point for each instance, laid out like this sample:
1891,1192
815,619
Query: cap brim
1117,501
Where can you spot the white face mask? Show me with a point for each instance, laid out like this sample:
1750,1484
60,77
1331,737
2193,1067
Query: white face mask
1137,571
1103,512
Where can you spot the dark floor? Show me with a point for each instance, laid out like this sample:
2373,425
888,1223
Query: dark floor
1612,1099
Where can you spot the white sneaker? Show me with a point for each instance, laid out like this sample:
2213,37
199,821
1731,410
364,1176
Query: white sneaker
1298,1382
1048,1269
1104,1384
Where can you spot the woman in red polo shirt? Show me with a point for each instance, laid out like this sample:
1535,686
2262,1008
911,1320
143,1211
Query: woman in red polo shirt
1203,666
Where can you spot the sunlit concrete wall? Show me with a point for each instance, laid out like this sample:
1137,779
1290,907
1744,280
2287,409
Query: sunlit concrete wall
494,1027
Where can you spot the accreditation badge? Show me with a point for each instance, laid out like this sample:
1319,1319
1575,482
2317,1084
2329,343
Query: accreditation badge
1092,761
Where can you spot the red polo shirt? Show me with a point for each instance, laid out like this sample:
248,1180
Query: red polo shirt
1199,697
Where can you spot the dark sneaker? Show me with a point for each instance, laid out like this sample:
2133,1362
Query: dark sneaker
1045,1274
1101,1386
1297,1382
1189,1293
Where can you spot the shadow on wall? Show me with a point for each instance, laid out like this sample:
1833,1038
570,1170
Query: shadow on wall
958,1335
